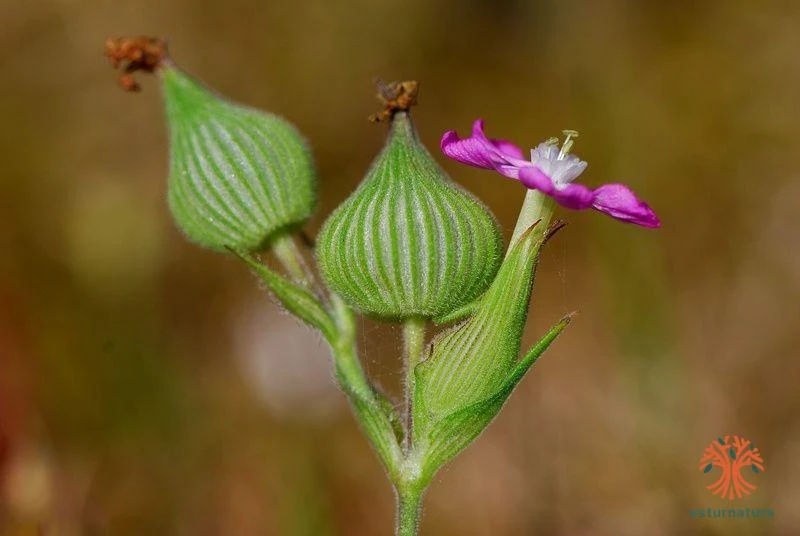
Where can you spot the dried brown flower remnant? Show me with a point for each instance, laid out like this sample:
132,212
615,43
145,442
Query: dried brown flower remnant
395,97
135,54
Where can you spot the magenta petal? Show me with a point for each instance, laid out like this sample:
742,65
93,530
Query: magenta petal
618,201
470,151
574,196
533,178
503,149
508,149
479,151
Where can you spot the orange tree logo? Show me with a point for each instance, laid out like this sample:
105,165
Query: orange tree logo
731,455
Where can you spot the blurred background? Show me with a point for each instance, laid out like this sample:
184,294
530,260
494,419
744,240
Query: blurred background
150,387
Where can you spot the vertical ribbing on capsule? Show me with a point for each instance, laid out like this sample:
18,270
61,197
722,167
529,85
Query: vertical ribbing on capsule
408,242
238,176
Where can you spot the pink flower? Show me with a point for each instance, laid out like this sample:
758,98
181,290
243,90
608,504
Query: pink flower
551,171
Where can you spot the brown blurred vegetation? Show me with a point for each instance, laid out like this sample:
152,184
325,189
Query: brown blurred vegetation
149,387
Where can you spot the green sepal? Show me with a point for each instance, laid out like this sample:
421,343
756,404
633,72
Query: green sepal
297,300
470,361
459,314
472,368
449,436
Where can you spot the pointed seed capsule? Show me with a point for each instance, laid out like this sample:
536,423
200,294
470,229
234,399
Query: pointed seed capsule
408,242
238,176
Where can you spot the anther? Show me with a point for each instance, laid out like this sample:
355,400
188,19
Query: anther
570,136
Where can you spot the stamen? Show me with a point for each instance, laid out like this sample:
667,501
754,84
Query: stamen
551,141
568,142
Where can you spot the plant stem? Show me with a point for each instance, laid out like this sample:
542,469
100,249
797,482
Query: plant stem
346,358
291,259
369,407
413,347
409,506
375,421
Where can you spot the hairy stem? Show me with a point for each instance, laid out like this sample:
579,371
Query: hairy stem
413,348
375,421
288,254
409,507
348,366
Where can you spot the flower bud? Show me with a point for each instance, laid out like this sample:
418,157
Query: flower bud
408,242
237,175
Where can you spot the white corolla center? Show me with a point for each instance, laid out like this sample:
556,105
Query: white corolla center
558,164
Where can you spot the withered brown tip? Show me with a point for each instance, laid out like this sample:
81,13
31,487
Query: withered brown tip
395,97
134,54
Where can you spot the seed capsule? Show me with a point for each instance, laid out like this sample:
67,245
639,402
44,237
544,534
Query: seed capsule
238,175
408,242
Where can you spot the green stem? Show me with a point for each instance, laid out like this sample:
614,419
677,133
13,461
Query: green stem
409,507
348,366
413,348
291,259
375,414
536,207
375,419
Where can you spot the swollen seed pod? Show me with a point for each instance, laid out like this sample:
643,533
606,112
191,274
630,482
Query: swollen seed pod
408,242
238,176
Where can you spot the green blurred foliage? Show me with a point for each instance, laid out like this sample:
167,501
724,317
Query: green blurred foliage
149,387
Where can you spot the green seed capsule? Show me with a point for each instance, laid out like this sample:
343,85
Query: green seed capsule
409,242
238,176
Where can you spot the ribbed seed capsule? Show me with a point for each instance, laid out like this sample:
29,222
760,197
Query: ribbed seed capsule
237,175
408,242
